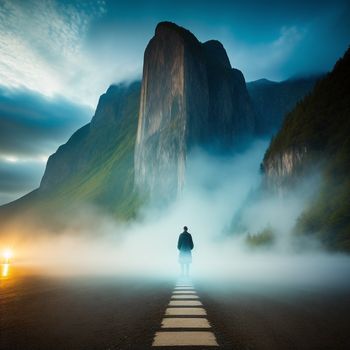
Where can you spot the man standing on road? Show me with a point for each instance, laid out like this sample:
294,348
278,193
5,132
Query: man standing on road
185,245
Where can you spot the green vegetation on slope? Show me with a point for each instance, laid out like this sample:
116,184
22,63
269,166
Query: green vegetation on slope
264,238
321,123
107,178
96,165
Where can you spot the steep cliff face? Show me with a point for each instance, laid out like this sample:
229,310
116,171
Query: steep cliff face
163,129
231,116
280,169
190,96
317,132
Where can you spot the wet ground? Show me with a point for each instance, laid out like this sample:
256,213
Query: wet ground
106,312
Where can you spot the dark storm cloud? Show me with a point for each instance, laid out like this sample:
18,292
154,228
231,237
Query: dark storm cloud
31,124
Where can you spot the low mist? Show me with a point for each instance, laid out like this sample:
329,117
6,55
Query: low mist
219,192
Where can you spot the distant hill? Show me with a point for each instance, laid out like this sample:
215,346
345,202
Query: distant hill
317,131
95,166
273,100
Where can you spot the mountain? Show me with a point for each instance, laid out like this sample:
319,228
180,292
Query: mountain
142,133
316,135
190,97
139,141
273,100
96,165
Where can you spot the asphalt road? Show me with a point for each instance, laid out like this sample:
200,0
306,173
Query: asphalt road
106,312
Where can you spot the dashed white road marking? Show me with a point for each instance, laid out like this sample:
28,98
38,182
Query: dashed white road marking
184,288
186,338
184,330
179,311
184,296
178,322
185,285
185,303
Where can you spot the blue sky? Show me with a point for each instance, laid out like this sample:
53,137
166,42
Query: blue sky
78,48
58,57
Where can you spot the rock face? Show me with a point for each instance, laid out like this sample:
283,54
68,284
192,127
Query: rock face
190,97
314,139
281,168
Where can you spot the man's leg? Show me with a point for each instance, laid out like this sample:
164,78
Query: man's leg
187,270
182,269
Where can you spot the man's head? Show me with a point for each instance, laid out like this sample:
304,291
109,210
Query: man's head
185,228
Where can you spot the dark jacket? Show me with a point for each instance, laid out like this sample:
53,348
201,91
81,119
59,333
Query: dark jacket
185,242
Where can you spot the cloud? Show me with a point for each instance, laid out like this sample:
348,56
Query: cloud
42,47
217,187
19,176
308,44
267,59
78,48
326,40
32,126
16,177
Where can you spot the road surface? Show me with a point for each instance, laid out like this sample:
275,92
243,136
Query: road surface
106,312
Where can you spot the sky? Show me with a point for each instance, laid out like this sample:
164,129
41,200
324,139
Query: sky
58,56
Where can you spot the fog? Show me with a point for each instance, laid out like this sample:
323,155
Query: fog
218,190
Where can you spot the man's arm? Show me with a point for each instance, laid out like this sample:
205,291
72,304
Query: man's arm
191,243
179,243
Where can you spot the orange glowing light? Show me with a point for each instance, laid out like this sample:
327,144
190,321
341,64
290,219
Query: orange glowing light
5,270
7,254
